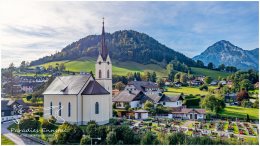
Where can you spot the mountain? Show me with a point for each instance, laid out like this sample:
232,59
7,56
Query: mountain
223,52
126,45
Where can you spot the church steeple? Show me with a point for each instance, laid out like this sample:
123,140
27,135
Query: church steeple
103,52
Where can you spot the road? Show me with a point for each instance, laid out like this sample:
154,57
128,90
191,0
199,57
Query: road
18,140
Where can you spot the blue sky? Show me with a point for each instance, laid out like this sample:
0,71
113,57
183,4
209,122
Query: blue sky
30,30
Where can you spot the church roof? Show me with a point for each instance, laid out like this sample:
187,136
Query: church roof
67,85
94,88
104,51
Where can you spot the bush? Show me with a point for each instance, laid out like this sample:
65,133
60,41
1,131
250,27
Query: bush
149,139
48,125
67,133
247,104
85,140
111,138
176,139
204,87
29,123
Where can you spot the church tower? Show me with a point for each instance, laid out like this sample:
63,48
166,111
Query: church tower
103,73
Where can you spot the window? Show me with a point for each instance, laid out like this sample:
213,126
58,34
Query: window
3,113
107,73
59,108
99,74
177,102
69,109
51,108
96,108
163,103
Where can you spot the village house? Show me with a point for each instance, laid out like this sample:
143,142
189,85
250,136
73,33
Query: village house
79,99
189,113
12,109
136,93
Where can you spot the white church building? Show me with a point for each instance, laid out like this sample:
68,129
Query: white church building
79,99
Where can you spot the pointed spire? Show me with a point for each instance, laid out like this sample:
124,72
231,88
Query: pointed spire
103,51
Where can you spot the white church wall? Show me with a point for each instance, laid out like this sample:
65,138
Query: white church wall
64,99
89,108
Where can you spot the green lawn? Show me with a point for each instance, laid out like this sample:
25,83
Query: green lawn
214,74
186,91
6,141
240,112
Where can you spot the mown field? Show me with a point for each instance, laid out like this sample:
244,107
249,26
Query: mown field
240,112
185,90
214,74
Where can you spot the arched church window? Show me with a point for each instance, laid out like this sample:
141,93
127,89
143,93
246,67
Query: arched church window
59,108
69,109
51,108
107,73
99,74
96,108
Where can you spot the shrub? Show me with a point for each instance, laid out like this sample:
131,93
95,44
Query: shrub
48,125
204,87
111,138
67,133
149,139
29,123
85,140
246,104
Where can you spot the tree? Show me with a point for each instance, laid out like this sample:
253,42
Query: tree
176,139
246,84
200,63
22,66
67,133
127,106
149,106
48,125
203,87
160,83
149,139
208,79
210,65
153,77
177,77
85,140
62,67
215,104
183,78
221,67
148,76
169,68
91,129
28,122
111,138
119,85
256,103
242,95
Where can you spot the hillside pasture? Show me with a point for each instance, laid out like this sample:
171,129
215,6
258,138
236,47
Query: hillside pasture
206,72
